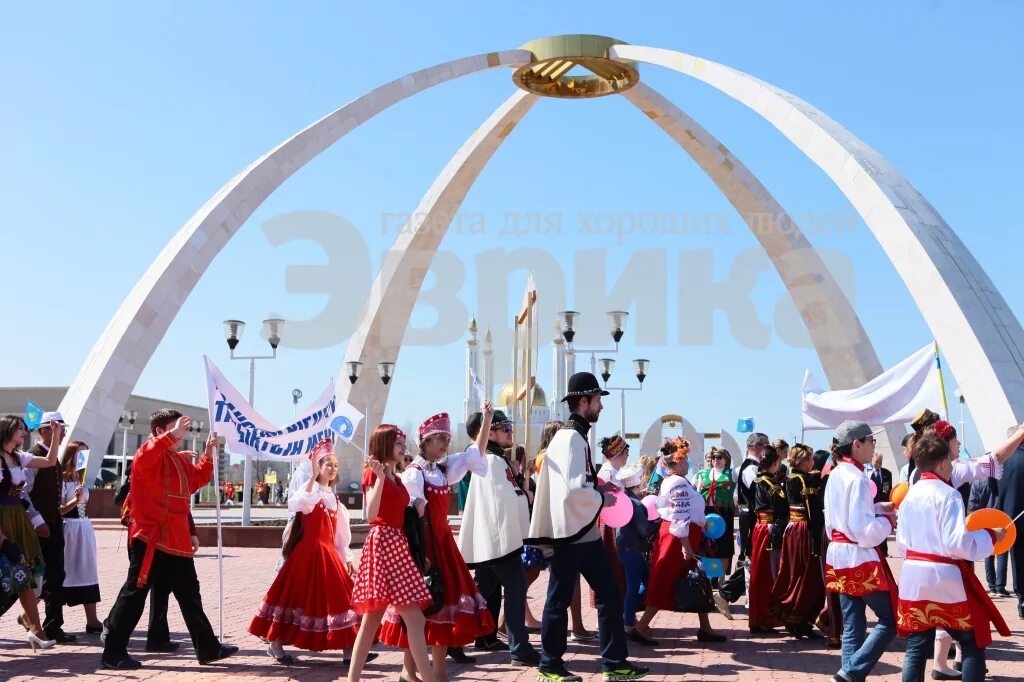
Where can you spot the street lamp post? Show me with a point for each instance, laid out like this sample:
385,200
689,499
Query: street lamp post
271,331
126,423
640,366
194,430
567,322
385,370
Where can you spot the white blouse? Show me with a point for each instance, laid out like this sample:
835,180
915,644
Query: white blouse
680,504
455,467
305,502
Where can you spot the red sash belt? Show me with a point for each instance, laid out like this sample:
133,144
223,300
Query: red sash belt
983,611
840,537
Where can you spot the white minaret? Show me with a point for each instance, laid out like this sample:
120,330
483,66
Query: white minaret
488,377
558,379
470,404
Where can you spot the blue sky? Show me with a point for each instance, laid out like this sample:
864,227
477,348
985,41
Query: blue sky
122,119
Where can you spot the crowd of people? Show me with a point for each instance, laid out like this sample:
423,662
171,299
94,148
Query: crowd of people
811,528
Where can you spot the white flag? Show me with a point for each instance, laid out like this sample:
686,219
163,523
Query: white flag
248,433
478,386
895,396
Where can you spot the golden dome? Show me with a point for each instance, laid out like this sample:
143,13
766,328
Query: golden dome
505,397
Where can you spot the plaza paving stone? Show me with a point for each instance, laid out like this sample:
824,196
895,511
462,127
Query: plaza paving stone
248,573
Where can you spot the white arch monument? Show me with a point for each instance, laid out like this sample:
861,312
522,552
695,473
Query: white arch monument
966,314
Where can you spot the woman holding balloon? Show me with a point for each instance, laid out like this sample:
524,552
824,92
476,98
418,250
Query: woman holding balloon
718,488
681,509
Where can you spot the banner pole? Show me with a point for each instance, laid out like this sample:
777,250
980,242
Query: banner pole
220,545
942,383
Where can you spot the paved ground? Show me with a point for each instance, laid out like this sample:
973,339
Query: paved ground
248,573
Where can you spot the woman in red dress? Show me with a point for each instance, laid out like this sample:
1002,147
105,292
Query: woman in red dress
463,616
800,587
681,509
309,604
770,506
387,573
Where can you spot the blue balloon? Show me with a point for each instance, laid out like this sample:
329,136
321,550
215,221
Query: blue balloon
714,526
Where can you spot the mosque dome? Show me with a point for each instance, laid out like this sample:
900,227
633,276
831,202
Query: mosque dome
505,397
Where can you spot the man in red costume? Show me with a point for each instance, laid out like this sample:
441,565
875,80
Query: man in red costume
162,481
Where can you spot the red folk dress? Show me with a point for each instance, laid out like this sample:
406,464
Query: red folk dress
464,616
387,574
309,604
770,502
683,516
800,587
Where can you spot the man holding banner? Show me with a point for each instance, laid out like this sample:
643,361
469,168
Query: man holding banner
161,547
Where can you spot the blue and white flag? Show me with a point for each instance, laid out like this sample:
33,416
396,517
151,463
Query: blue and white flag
713,566
246,432
82,460
745,425
33,415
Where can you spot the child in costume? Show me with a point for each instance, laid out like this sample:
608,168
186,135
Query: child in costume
631,542
938,587
309,604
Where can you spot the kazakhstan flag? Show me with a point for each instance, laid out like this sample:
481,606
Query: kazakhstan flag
713,566
33,415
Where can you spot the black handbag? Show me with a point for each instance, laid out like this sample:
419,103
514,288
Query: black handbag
735,586
433,579
693,593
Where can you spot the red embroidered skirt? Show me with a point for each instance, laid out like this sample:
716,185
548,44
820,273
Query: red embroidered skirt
800,587
668,566
762,614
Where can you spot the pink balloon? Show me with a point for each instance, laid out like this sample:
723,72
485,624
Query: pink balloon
827,468
620,513
651,504
872,487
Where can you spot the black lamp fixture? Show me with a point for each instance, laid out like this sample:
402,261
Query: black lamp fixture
233,332
354,368
566,322
617,319
606,368
640,368
386,370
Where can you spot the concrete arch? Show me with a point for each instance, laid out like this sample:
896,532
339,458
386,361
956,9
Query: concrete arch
97,395
843,347
968,317
385,317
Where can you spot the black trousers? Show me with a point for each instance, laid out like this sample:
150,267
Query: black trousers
159,633
1017,565
178,576
509,574
746,533
590,560
53,580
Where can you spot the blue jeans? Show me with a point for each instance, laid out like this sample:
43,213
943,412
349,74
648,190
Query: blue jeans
921,645
860,650
636,570
508,573
995,571
567,564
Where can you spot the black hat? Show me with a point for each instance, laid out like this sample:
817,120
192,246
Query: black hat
583,384
499,418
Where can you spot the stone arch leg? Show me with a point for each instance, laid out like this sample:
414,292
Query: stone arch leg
98,394
970,320
843,347
385,317
652,438
730,444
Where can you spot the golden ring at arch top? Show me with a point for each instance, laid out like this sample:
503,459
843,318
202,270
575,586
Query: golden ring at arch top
555,57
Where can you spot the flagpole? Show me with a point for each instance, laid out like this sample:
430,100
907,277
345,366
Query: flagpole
220,544
942,384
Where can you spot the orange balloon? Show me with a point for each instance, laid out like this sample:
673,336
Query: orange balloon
992,519
899,491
